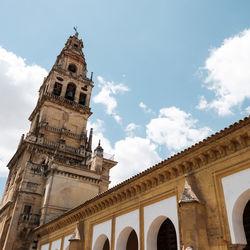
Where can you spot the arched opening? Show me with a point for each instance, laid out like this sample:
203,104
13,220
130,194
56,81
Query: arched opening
57,89
70,92
237,230
166,238
82,98
127,239
106,245
132,243
72,68
102,243
161,235
246,223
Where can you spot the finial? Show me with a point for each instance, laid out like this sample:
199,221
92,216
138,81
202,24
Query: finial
99,144
75,29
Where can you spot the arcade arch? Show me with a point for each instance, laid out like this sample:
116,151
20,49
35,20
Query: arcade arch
161,235
237,217
127,240
102,243
246,223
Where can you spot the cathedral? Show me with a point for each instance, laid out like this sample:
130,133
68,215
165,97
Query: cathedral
57,194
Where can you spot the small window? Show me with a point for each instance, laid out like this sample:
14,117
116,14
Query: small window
46,88
59,79
82,98
70,92
85,88
72,68
27,209
75,45
57,89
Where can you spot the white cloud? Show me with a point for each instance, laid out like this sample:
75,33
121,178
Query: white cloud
176,129
145,108
247,110
131,127
106,96
173,128
228,74
98,130
19,90
133,155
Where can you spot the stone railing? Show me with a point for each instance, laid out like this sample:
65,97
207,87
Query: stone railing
61,130
50,143
72,149
37,169
33,219
66,101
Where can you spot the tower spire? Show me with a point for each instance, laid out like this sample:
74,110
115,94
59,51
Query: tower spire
89,148
76,32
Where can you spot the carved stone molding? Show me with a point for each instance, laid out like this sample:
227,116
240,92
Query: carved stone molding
200,156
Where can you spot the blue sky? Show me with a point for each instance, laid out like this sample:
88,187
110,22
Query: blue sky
167,73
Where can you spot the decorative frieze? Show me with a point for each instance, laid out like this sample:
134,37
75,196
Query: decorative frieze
177,166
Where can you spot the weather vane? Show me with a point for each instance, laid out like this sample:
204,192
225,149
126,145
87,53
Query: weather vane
75,29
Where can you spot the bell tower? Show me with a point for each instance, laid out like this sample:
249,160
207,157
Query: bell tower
62,110
53,169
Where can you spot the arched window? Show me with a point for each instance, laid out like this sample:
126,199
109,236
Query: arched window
246,223
70,92
57,89
82,98
72,68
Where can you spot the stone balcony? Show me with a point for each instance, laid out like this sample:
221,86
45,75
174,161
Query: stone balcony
66,101
30,219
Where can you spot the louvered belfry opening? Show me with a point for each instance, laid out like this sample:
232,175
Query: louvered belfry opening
166,239
246,223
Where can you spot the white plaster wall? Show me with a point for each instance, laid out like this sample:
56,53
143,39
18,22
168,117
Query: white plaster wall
45,247
157,213
56,245
124,221
66,242
100,229
236,189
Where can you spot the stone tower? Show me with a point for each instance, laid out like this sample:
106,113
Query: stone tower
53,169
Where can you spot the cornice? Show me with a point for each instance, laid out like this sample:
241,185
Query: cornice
5,206
44,148
77,78
77,176
19,151
222,144
77,57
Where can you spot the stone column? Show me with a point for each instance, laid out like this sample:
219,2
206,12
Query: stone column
77,240
76,244
193,217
